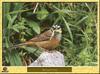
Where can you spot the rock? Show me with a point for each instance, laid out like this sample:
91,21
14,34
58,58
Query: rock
49,58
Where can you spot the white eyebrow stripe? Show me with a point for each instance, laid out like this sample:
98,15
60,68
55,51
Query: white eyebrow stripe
56,26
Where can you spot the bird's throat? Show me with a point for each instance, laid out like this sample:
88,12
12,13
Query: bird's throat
58,36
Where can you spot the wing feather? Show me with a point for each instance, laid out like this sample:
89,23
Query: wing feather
42,37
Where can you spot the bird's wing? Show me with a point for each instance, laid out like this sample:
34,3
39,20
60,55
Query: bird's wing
42,37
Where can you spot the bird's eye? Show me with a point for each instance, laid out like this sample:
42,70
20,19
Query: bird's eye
53,28
58,27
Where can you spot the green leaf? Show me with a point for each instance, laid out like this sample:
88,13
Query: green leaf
6,43
34,26
88,6
6,7
69,30
29,32
18,6
7,57
15,59
19,26
11,20
18,59
81,20
15,28
88,30
69,41
12,60
41,15
8,17
30,49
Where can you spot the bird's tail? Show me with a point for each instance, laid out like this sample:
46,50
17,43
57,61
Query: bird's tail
22,44
16,46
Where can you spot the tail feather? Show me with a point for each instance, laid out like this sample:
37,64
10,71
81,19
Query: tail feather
17,46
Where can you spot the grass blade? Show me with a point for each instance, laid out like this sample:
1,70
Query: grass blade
69,30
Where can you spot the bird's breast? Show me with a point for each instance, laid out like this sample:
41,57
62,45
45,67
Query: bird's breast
54,42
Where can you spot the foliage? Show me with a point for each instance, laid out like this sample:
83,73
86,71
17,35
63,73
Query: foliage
78,22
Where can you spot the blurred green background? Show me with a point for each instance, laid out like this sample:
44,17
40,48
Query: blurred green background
22,21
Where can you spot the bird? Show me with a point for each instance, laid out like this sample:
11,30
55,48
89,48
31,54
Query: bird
47,40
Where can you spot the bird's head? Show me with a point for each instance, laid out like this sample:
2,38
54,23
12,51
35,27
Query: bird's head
56,29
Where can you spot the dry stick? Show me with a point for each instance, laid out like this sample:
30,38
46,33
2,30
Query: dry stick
35,7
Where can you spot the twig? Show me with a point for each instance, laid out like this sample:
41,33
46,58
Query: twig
35,7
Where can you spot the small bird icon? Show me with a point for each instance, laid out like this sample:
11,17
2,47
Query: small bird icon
47,40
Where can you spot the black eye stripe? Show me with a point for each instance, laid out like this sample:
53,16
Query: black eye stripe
53,27
59,28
